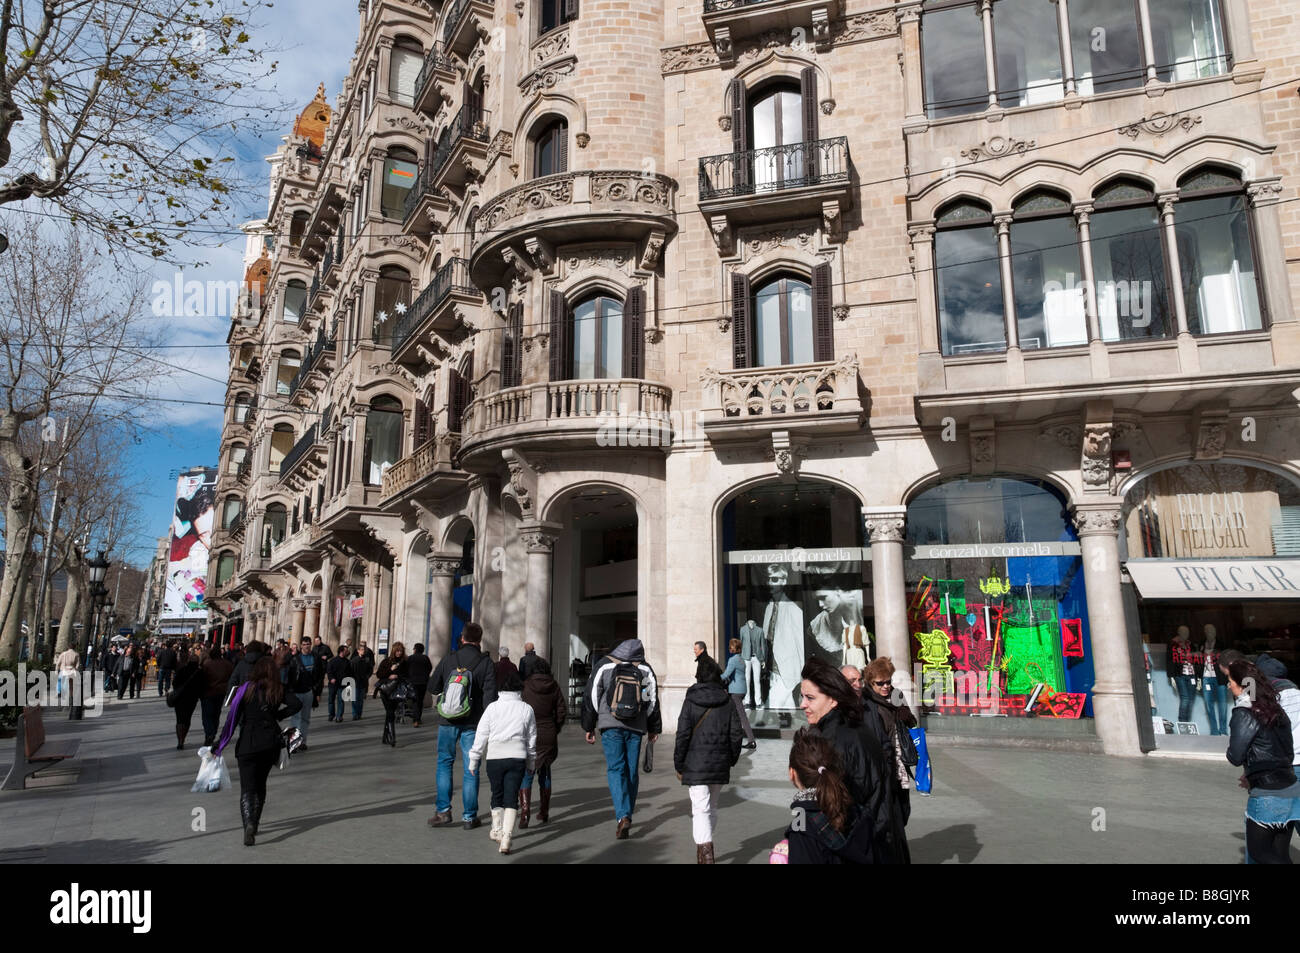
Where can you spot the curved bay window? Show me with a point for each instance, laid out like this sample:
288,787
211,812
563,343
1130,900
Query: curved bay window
230,510
996,601
551,149
598,337
1215,251
968,280
400,169
1128,263
405,62
392,297
282,441
383,438
295,300
1046,269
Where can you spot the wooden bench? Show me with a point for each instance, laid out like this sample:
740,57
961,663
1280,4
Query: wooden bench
32,752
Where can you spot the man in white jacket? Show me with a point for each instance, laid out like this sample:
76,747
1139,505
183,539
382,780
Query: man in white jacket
507,737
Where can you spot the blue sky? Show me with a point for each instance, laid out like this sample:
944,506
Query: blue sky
183,435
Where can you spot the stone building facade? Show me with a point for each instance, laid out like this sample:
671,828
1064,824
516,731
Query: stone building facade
589,319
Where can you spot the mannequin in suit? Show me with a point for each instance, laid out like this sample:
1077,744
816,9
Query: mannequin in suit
753,653
783,628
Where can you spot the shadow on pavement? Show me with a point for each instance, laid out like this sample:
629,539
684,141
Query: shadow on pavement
940,846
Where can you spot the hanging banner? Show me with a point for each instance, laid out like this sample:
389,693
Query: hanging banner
358,607
1216,578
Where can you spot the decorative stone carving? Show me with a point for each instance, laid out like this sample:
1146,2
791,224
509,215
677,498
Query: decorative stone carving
1264,191
538,541
841,312
540,339
402,241
799,237
1091,522
996,147
1067,435
653,246
551,46
535,82
654,335
613,259
393,369
1159,123
1210,432
831,217
502,144
983,449
582,139
519,481
1095,464
865,26
724,123
885,529
544,193
443,565
679,59
721,230
827,106
722,44
787,453
821,27
630,187
724,325
414,125
541,252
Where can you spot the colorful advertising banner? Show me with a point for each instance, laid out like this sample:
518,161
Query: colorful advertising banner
187,560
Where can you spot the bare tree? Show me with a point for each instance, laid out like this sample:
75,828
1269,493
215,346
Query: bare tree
114,113
75,356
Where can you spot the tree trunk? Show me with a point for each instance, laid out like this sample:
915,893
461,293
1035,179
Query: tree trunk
18,538
72,607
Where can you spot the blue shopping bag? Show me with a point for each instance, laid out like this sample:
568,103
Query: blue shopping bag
924,781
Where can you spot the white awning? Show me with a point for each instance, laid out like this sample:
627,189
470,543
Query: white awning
1221,579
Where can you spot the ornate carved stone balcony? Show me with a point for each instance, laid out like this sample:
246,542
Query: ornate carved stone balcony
801,398
430,472
302,464
730,20
436,80
583,414
462,148
799,180
468,22
531,220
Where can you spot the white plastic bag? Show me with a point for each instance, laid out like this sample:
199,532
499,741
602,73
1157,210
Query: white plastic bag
213,775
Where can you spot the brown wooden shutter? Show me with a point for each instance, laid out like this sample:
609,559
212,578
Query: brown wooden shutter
511,365
570,9
739,136
561,339
823,331
741,336
562,148
808,97
634,333
423,423
459,387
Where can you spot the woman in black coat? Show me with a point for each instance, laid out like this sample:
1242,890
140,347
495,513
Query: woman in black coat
187,688
543,693
827,827
835,710
258,712
889,718
392,677
706,747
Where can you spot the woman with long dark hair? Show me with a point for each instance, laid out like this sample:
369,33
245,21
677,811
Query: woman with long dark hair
1259,741
826,827
186,690
258,707
390,679
835,710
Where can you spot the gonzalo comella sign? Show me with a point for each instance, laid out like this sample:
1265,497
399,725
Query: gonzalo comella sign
1223,579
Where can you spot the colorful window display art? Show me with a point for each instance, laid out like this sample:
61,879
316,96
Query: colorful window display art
1001,629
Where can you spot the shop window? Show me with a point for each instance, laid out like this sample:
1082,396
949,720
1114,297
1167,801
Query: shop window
286,371
295,300
952,61
1046,269
968,280
282,441
556,13
1128,263
400,169
996,601
600,336
551,149
383,438
1215,250
1188,39
404,65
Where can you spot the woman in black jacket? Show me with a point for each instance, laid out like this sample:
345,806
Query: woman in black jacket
889,718
1259,740
392,677
706,747
835,710
258,711
186,690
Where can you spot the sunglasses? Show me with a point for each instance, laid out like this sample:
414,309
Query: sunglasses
883,684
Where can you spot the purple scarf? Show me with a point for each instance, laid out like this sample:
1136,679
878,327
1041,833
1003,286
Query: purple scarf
232,719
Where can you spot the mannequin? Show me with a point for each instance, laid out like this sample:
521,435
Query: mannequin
753,652
1216,692
783,628
1182,670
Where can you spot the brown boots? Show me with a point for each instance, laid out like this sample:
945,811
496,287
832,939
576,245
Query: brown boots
544,809
704,853
525,805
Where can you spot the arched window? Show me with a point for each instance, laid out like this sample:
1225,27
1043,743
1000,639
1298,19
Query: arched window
1045,269
225,568
1216,253
297,225
554,13
400,170
404,65
245,356
238,453
241,408
282,441
295,300
383,438
392,297
968,280
599,336
276,523
773,126
551,149
286,370
230,510
783,319
1128,263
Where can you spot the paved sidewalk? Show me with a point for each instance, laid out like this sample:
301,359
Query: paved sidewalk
350,799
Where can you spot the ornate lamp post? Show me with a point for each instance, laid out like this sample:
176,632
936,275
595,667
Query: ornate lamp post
98,568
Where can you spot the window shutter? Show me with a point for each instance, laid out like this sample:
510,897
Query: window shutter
823,332
808,97
740,330
634,333
570,9
562,147
511,370
423,423
561,339
739,134
459,386
517,336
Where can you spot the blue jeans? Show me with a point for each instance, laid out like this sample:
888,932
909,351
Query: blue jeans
622,755
336,702
449,738
1216,703
356,704
543,779
1186,695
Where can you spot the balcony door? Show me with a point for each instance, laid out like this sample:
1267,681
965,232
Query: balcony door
776,125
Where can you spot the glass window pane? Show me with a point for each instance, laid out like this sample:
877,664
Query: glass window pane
612,338
403,71
1214,252
952,61
295,299
399,178
1106,45
970,290
1187,36
1046,280
996,510
384,429
584,340
801,322
1027,46
1128,263
767,325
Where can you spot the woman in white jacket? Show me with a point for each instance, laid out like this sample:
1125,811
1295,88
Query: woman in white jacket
507,732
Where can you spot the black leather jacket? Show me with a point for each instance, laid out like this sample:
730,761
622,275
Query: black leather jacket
1265,751
869,777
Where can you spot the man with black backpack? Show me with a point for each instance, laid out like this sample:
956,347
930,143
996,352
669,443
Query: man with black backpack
464,684
622,702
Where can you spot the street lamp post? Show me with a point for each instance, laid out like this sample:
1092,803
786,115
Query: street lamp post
98,568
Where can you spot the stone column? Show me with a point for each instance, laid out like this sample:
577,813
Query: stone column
539,538
1098,355
1148,48
885,531
442,569
1264,195
1002,223
311,621
929,364
298,618
909,28
1167,202
1067,54
985,9
1112,693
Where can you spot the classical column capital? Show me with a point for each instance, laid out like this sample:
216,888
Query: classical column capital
1082,212
1097,519
443,564
885,524
540,537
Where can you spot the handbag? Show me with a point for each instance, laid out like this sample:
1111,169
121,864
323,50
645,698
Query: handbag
291,739
648,762
170,698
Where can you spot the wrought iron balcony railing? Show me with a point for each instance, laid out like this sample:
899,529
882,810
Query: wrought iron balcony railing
451,277
300,448
453,20
793,166
471,122
436,62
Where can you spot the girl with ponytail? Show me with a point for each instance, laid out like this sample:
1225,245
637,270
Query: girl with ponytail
826,827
